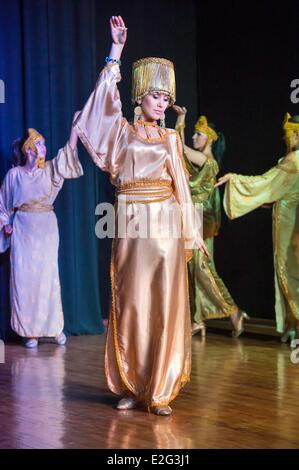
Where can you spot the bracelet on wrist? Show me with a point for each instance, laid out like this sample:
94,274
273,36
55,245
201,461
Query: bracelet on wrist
110,60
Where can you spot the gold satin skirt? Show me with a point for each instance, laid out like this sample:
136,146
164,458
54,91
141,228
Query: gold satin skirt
148,346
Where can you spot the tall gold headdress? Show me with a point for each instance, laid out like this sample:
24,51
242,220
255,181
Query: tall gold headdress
290,125
153,74
202,126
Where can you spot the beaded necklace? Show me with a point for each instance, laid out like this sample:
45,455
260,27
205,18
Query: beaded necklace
146,125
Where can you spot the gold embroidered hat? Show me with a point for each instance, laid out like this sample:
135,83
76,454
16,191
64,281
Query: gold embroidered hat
153,74
33,135
202,126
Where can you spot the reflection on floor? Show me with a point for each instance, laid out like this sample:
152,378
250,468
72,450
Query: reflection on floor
243,394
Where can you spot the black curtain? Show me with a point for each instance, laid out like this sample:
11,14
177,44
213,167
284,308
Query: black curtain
247,57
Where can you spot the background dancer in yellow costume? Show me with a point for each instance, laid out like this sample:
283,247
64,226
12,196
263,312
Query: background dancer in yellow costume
148,347
209,297
279,185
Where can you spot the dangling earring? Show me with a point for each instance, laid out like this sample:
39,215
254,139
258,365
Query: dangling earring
137,113
40,162
162,120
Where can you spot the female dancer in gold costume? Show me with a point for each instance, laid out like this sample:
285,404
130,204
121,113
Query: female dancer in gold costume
148,352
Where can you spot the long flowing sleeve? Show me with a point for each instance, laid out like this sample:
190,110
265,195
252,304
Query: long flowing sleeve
243,194
192,223
6,210
100,125
65,166
189,165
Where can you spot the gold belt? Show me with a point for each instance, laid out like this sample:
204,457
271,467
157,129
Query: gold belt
35,208
144,191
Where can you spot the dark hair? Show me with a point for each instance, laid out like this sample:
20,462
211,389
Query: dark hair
18,158
218,146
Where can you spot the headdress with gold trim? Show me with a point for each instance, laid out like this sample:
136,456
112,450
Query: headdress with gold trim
153,74
290,125
29,143
33,136
202,126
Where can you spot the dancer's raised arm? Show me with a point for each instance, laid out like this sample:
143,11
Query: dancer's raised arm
195,156
119,37
100,124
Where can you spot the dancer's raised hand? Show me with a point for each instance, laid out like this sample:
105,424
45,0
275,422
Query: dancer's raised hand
118,30
180,110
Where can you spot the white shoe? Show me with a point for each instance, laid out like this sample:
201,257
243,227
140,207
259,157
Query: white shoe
31,343
289,336
61,339
162,410
237,320
198,328
127,403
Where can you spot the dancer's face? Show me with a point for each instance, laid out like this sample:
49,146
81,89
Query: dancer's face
153,105
41,148
199,140
293,140
32,156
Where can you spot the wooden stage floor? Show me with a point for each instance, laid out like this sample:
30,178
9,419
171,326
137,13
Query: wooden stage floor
243,394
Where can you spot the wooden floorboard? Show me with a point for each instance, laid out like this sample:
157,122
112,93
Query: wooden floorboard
243,394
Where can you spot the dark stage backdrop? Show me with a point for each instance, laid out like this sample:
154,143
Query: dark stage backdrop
234,62
247,57
51,52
